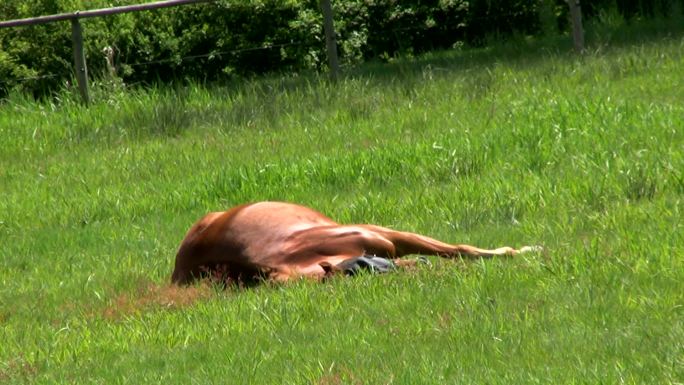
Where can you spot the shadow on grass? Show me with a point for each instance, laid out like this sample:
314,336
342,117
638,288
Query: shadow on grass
521,51
262,102
408,73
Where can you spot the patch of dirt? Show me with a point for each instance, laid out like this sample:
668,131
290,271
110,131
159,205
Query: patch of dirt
153,296
16,368
338,376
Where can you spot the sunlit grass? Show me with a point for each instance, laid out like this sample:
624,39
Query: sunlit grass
583,155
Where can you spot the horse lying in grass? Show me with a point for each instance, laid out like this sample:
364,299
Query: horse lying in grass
281,241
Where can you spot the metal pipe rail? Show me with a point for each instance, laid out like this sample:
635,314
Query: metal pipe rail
97,12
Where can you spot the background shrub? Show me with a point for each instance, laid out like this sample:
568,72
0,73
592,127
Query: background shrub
228,38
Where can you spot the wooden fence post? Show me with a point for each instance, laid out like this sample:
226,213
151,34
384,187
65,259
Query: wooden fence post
330,40
577,30
79,60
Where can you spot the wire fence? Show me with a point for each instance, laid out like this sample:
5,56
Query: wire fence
218,53
170,60
30,78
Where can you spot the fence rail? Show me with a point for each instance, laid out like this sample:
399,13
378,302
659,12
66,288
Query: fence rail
98,12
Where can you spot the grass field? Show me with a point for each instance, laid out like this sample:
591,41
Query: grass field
583,155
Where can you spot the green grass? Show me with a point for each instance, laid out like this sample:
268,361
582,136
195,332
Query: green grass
584,155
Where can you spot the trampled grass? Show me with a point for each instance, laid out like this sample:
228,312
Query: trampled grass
583,155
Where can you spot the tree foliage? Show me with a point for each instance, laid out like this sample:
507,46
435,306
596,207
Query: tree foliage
237,37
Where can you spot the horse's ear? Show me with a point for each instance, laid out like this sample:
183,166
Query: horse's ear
328,268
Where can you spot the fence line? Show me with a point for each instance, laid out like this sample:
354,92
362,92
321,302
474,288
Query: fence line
77,32
81,70
170,60
80,66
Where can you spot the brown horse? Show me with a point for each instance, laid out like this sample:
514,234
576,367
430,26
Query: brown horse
280,241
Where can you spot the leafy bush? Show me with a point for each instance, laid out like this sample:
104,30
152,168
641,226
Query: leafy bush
241,38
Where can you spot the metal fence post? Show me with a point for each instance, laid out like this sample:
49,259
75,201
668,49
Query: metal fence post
577,30
330,40
79,60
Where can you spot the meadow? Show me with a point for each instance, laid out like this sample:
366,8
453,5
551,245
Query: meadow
515,145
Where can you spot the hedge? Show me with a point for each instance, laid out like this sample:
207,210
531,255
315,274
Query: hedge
229,38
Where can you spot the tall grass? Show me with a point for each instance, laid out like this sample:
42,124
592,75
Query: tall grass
583,155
